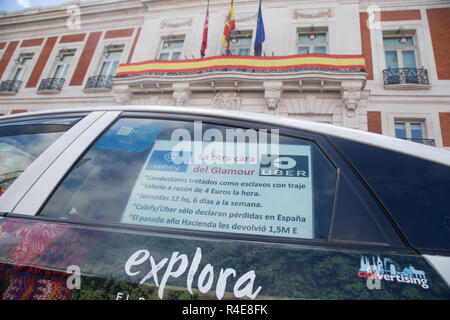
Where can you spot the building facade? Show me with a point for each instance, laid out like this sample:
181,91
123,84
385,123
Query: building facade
379,66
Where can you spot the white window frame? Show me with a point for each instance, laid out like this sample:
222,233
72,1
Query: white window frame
408,124
399,49
18,63
168,50
240,34
107,58
65,65
311,46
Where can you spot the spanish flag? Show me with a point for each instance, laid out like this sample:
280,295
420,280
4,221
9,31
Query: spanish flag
229,26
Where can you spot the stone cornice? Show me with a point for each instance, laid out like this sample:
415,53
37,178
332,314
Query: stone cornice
54,13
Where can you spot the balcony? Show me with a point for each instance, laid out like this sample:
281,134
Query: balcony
298,73
51,85
428,142
10,86
99,83
406,78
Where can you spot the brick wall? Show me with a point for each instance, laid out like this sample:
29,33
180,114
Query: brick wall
400,15
85,59
366,44
31,42
444,119
439,22
121,33
18,111
130,56
374,122
72,38
41,62
7,56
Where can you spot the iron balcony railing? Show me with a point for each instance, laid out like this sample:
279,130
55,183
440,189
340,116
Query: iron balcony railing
99,82
406,76
428,142
51,84
10,86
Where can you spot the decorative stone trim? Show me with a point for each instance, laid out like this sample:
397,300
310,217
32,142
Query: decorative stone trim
229,100
312,14
272,95
181,93
173,24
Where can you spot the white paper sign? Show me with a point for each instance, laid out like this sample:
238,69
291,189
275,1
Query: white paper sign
269,196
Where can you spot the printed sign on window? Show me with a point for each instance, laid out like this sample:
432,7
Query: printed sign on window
264,195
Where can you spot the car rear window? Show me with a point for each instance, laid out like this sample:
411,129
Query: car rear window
201,177
21,142
414,191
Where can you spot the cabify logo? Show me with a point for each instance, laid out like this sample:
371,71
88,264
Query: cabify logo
167,160
386,269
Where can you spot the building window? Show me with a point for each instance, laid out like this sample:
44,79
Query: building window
413,131
312,40
107,71
22,64
401,60
240,43
54,83
171,48
63,61
111,60
400,52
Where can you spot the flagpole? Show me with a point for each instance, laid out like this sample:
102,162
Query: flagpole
205,32
260,33
229,26
228,45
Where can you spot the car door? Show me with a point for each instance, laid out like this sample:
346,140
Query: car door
167,206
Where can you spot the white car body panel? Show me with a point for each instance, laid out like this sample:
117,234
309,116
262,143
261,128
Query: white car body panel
441,264
47,182
434,154
25,181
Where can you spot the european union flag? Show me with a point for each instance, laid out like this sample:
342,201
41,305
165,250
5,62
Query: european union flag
260,34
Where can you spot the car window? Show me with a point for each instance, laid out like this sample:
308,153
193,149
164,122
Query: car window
21,142
414,191
214,179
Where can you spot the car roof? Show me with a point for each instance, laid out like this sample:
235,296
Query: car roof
418,150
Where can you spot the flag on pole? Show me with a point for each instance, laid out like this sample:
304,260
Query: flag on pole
260,34
229,26
205,33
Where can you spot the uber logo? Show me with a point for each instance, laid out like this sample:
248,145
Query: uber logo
284,166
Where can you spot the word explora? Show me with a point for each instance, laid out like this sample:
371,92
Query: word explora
243,286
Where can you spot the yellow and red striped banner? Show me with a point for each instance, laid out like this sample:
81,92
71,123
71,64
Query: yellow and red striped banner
246,63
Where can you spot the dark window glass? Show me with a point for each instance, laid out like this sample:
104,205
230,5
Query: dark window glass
414,191
358,219
135,174
22,142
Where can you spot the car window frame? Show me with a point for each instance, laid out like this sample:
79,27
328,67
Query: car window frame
320,140
22,185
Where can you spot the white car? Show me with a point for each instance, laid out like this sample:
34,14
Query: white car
182,203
